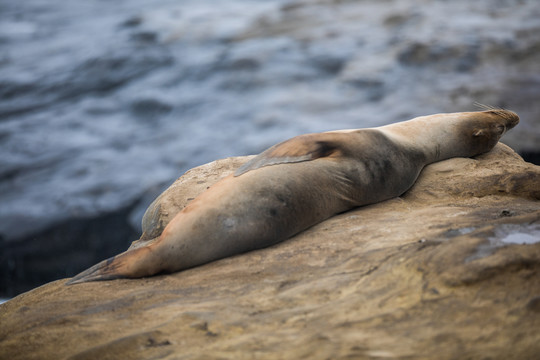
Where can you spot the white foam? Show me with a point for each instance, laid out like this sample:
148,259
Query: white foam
506,235
516,234
521,238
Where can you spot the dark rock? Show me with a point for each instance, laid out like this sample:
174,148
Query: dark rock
62,250
531,156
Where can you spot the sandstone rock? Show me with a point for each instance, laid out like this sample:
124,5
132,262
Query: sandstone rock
449,270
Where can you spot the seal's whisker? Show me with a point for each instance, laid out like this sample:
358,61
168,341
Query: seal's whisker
502,112
485,106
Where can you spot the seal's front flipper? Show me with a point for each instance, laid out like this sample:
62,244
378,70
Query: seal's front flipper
301,148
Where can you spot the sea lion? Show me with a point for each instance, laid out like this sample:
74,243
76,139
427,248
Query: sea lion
301,182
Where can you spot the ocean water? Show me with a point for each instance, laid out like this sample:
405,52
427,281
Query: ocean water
105,103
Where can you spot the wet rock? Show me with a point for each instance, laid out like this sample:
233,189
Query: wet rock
408,277
26,265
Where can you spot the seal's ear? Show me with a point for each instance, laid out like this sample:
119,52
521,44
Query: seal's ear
478,132
498,129
301,148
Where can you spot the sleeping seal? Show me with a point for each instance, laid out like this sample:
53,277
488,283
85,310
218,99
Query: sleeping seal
301,182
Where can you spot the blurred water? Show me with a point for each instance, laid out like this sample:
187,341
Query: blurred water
103,101
103,104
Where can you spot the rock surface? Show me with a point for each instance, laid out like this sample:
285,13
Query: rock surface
450,270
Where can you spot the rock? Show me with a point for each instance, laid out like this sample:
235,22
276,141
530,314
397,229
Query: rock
449,270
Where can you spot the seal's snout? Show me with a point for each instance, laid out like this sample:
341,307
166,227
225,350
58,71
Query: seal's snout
510,117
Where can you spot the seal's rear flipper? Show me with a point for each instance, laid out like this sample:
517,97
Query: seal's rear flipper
133,263
105,270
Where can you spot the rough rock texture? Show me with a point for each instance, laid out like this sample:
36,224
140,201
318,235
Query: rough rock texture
450,270
104,103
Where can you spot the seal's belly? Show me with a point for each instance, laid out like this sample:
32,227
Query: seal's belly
269,205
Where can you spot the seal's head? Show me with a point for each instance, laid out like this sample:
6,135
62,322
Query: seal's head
462,134
487,127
